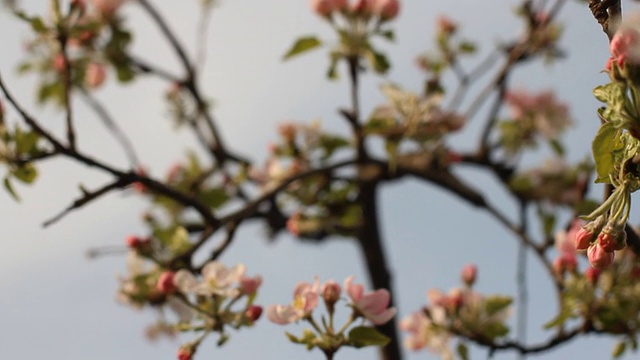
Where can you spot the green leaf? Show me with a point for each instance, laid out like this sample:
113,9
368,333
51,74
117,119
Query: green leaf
466,47
36,23
603,146
495,330
463,351
26,142
179,240
388,34
378,61
362,336
26,173
559,320
292,338
214,197
331,143
496,303
619,349
332,72
302,45
9,187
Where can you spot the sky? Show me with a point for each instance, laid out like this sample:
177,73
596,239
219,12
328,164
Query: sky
57,303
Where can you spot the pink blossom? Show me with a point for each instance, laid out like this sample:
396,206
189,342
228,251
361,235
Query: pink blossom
428,332
374,306
305,299
95,75
598,257
564,263
387,9
217,279
469,274
540,112
249,285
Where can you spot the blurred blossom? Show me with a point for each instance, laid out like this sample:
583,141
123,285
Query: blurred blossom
216,280
305,299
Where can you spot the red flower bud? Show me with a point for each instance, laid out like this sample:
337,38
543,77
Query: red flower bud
253,313
165,282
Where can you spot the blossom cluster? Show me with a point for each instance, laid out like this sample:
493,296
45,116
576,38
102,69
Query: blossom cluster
461,312
532,116
204,303
371,306
384,9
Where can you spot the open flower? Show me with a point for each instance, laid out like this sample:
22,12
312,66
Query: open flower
305,299
216,280
374,306
427,332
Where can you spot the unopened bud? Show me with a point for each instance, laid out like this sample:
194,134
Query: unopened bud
592,275
165,282
387,9
331,294
598,257
253,313
469,274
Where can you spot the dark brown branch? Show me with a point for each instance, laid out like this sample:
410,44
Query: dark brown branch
86,198
608,14
129,177
370,241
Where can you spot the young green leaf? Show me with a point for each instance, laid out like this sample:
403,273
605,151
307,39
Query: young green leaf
302,45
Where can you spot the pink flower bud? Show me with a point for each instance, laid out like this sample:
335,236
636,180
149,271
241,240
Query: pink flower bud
446,26
625,46
185,353
249,285
592,275
598,258
584,238
331,292
612,238
165,282
363,7
95,75
253,313
387,9
469,274
138,186
323,8
59,63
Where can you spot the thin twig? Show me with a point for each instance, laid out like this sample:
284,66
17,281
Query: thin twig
111,124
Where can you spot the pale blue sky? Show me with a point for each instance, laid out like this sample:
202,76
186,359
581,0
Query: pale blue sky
57,304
